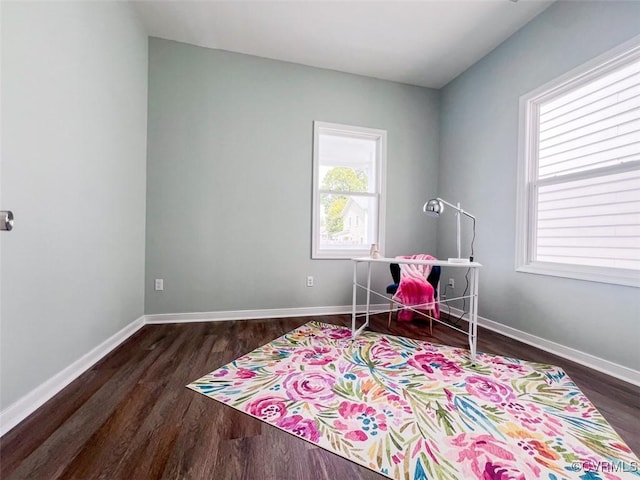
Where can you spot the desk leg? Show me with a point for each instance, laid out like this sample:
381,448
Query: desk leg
356,331
473,315
354,300
366,323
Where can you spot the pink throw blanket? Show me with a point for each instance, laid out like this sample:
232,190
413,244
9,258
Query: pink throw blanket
414,290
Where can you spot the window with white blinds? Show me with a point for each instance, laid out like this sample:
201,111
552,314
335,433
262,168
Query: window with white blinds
579,205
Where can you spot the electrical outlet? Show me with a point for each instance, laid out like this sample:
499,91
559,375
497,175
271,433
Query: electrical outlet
309,281
159,284
452,283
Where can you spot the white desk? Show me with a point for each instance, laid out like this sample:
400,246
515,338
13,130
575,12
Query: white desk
474,268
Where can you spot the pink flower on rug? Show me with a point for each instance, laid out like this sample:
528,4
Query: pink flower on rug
313,386
499,472
486,389
385,351
337,333
485,457
356,436
305,428
351,410
315,355
430,362
396,409
269,409
245,373
359,421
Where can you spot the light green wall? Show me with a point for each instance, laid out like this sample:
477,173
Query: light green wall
229,176
478,168
74,88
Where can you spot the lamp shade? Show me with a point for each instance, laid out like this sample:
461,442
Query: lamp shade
433,207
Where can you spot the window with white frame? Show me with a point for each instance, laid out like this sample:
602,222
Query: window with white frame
579,173
348,190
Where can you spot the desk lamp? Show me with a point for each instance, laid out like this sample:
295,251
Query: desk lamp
435,207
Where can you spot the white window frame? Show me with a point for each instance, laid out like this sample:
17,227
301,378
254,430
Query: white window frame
526,208
380,137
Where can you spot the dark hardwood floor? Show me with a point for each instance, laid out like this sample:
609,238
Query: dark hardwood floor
131,417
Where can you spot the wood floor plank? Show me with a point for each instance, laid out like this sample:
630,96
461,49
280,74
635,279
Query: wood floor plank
45,421
131,416
158,431
74,434
196,448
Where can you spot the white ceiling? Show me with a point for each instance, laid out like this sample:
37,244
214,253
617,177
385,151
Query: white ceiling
426,43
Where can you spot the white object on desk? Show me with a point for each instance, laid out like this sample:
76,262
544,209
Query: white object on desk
458,260
472,332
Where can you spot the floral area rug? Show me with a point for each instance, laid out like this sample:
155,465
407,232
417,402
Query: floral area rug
413,410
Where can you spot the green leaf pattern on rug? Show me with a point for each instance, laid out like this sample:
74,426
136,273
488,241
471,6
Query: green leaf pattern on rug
413,410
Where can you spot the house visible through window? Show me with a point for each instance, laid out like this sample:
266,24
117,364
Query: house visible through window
579,182
348,190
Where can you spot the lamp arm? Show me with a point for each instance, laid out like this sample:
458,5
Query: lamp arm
455,207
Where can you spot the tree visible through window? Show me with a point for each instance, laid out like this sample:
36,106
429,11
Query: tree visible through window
339,179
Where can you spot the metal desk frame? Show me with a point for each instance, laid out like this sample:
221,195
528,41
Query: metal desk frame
474,268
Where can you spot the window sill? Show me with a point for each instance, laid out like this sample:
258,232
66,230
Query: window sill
616,276
339,254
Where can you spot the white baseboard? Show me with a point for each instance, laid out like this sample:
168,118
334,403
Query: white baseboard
605,366
25,406
257,314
